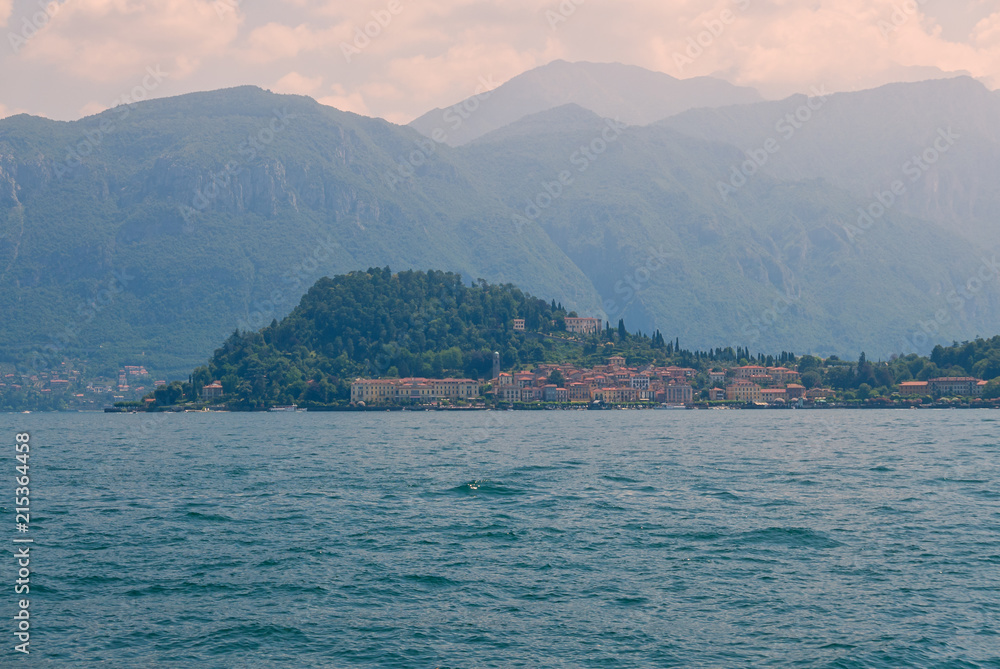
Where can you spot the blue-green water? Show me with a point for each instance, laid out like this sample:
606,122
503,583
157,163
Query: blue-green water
502,539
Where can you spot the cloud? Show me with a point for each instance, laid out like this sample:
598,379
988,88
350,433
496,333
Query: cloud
785,46
987,31
106,40
275,41
298,84
433,54
344,101
91,108
6,6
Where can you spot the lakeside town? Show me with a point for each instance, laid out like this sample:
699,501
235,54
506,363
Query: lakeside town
631,372
616,384
69,383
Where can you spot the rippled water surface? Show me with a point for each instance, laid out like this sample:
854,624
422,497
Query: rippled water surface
512,539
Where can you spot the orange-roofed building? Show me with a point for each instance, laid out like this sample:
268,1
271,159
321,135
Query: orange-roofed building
914,388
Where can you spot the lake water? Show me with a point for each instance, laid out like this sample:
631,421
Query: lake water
510,539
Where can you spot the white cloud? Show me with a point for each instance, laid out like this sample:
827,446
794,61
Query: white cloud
987,31
298,84
433,54
275,41
344,101
106,40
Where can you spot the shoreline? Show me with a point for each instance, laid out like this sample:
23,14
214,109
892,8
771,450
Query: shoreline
565,407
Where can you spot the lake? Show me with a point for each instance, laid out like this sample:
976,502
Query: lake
510,539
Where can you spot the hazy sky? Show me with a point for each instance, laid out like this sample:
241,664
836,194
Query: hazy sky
72,58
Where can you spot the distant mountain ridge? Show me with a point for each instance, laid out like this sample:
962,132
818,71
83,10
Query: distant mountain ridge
863,141
632,94
189,217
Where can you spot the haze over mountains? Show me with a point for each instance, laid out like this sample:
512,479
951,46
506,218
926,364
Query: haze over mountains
149,233
632,94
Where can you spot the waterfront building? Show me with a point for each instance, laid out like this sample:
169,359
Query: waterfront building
795,391
380,391
744,391
914,388
211,391
965,386
773,395
678,393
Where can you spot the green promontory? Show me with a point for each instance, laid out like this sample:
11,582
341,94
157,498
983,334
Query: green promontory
414,323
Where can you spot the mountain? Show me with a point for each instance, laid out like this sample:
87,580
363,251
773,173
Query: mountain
175,222
147,234
632,94
770,265
864,141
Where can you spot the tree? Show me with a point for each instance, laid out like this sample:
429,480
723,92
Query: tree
557,378
808,362
841,377
622,332
451,358
229,383
992,390
812,379
988,367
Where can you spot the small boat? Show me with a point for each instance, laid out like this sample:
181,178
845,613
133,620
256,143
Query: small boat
671,406
291,407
